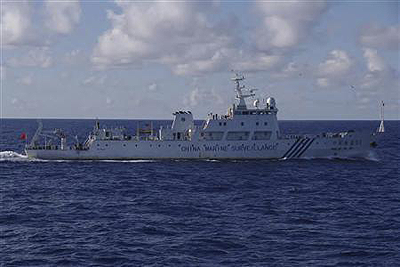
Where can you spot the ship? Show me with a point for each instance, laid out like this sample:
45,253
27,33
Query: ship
245,132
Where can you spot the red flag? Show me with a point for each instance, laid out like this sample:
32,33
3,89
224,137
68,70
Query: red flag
23,136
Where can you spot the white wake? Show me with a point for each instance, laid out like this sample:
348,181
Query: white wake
12,156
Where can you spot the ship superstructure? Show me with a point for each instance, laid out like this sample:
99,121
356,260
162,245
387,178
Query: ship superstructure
241,133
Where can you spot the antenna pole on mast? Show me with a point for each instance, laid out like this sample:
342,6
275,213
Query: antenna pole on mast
381,128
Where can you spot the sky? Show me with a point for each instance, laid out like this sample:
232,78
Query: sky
320,60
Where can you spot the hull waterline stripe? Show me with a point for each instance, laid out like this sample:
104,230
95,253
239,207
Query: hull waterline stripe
296,148
305,148
289,150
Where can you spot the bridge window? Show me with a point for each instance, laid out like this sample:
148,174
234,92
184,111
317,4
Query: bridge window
242,123
213,136
262,135
234,136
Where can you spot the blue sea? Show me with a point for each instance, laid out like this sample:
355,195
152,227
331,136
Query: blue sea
317,212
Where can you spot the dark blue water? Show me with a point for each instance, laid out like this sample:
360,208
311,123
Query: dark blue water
200,213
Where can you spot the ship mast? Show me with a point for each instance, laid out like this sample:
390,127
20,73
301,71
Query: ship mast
381,128
239,93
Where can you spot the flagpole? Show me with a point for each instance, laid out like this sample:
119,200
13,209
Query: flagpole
137,131
151,129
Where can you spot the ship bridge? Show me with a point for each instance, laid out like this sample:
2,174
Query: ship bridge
239,123
243,123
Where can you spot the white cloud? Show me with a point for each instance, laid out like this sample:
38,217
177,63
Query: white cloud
341,74
74,56
26,80
195,38
380,37
335,71
61,17
22,25
374,61
177,34
256,62
285,24
323,82
153,87
202,97
37,57
3,73
338,63
15,23
109,101
89,80
97,80
181,35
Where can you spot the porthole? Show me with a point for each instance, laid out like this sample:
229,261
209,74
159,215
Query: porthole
242,123
220,124
159,145
124,144
106,144
265,123
135,145
257,123
224,123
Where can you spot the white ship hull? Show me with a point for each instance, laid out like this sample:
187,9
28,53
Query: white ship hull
353,145
243,133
